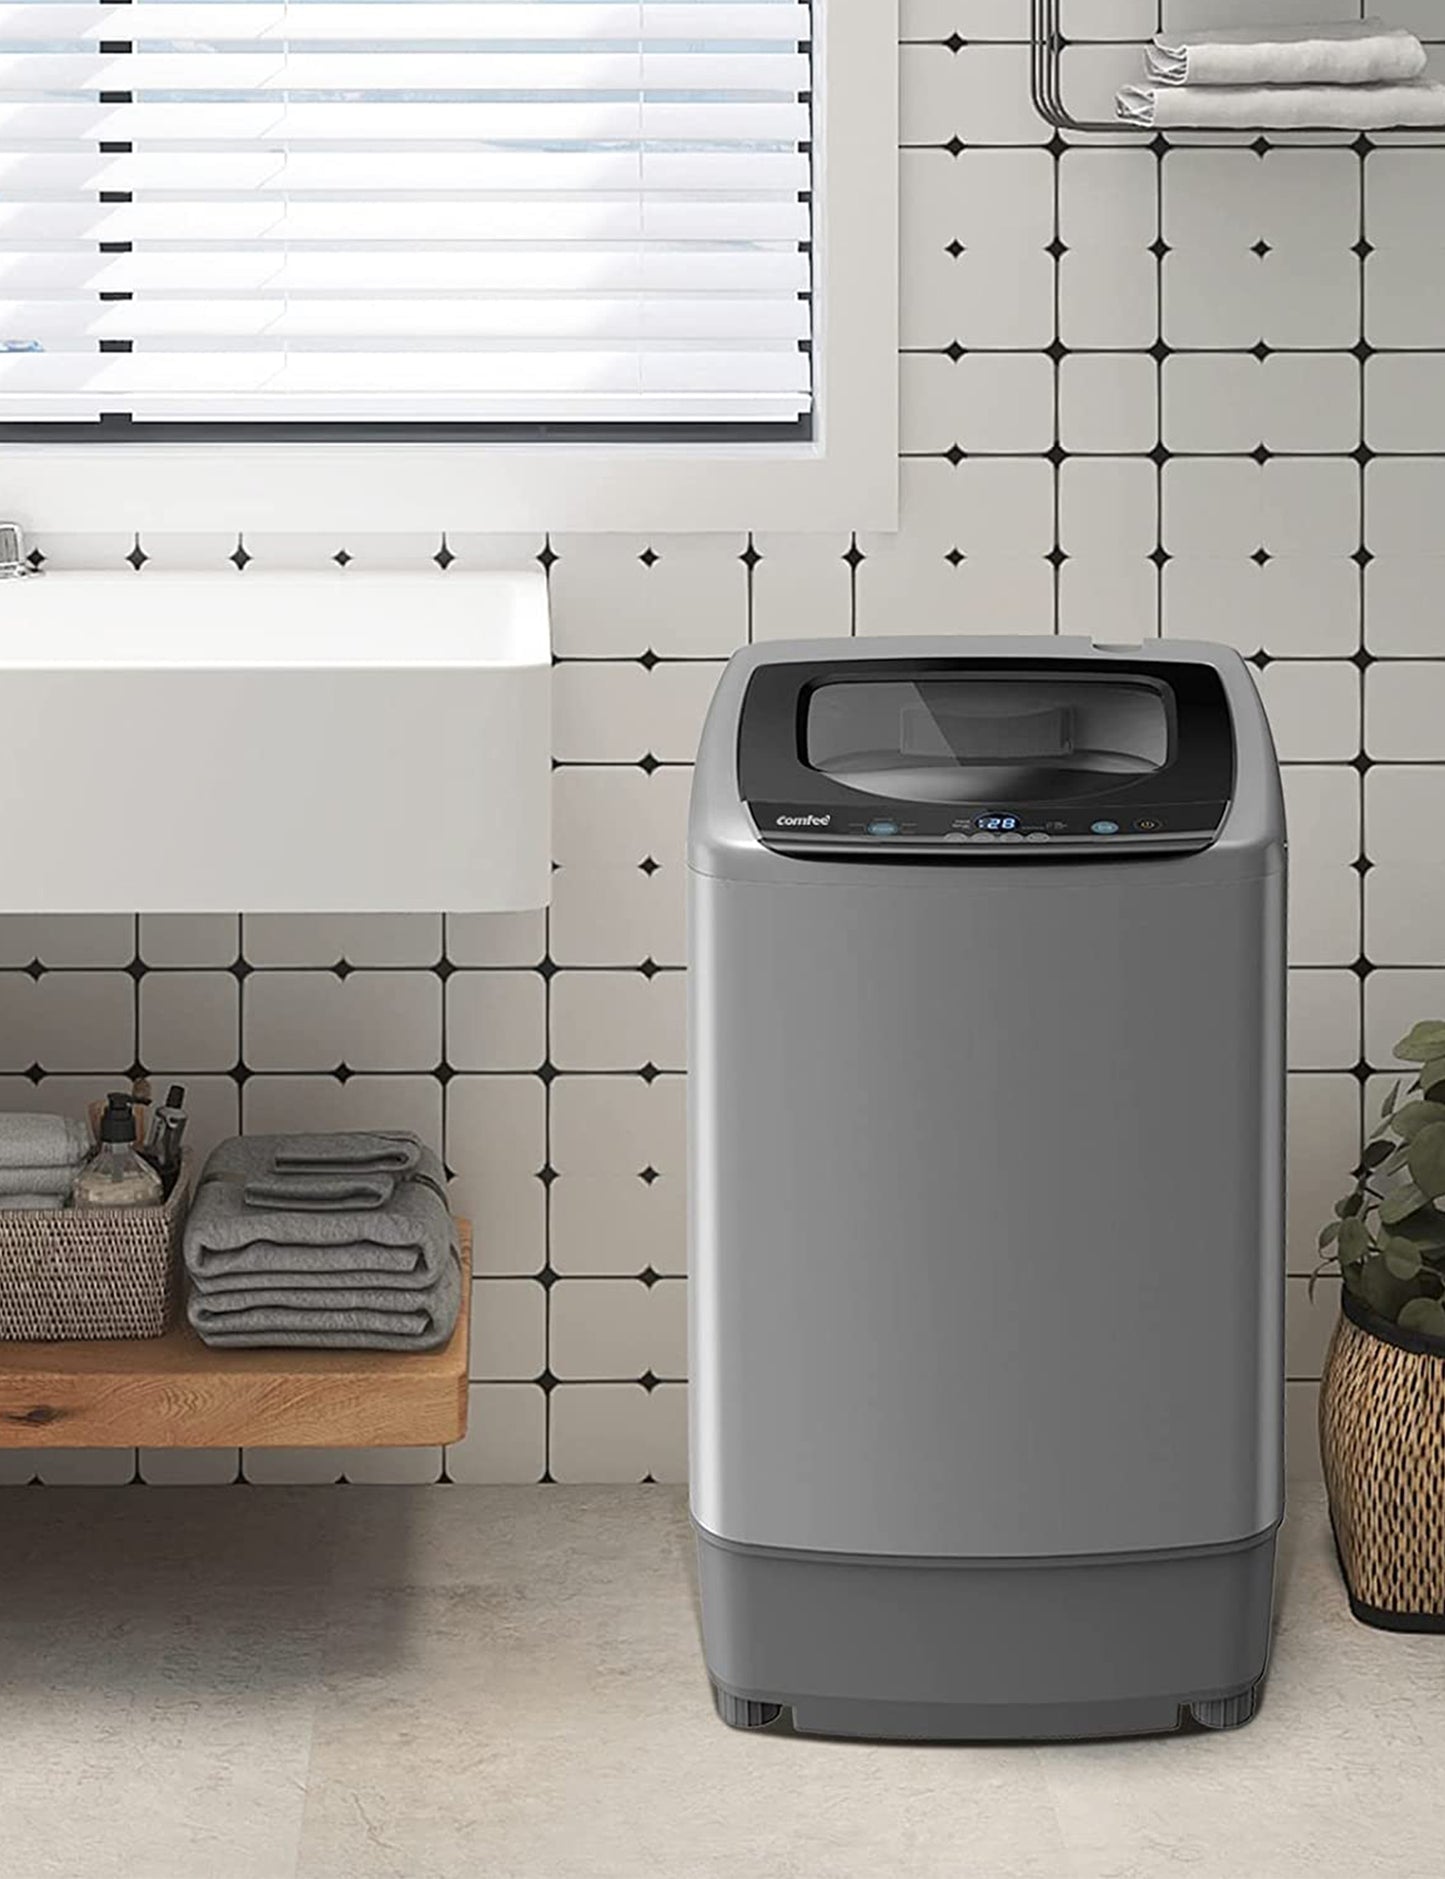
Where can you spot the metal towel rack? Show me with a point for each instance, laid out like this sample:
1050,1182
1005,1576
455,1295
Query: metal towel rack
1048,45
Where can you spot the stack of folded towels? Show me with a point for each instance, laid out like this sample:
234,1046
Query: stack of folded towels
342,1242
40,1157
1355,75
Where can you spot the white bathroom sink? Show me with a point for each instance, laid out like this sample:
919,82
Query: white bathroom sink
274,742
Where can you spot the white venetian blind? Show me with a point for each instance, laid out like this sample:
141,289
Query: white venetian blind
400,212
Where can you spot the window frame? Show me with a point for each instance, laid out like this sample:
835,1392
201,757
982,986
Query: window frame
844,476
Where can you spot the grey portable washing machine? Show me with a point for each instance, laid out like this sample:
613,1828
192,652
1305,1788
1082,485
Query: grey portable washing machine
987,1078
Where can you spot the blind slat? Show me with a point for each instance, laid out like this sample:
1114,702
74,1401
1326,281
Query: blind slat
456,22
439,212
574,317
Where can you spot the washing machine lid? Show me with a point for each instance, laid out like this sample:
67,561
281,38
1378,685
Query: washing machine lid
972,758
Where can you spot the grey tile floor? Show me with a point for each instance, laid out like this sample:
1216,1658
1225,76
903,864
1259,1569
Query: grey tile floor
504,1683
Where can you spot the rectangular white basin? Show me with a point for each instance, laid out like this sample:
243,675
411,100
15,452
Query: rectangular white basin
265,743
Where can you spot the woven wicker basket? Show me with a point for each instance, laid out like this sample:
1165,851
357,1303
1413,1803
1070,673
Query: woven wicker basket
111,1273
1382,1437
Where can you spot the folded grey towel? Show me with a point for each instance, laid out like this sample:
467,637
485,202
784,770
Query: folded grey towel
43,1142
408,1242
57,1181
376,1151
31,1203
1416,104
359,1318
1345,52
320,1193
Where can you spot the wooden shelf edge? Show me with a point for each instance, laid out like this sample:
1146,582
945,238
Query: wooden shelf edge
174,1392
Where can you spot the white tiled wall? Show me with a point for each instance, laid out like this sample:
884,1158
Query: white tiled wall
1196,391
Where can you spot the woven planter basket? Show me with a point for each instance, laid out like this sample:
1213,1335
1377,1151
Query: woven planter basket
111,1273
1382,1438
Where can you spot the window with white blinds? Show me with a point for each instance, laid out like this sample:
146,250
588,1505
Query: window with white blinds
400,216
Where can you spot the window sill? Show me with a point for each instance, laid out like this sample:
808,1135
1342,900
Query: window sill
476,488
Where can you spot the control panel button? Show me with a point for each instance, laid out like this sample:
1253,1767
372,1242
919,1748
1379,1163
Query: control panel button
1106,828
959,835
882,828
1148,825
1011,835
1037,836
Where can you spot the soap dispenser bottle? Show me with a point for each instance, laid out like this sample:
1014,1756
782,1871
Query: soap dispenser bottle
115,1176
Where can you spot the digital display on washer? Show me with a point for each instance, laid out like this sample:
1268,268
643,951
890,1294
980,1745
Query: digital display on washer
955,757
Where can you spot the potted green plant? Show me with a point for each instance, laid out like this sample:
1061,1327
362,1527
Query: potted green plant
1382,1400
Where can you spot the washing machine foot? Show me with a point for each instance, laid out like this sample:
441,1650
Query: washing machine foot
1226,1712
740,1712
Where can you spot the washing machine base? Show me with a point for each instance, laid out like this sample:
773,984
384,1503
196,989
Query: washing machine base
950,1650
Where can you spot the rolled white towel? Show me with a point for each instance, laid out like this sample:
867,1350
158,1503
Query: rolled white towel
1415,105
1350,52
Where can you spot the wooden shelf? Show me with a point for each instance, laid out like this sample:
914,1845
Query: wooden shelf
174,1392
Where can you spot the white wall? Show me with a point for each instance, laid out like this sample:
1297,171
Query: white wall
1199,392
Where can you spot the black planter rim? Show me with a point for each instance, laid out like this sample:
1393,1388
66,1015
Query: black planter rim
1419,1343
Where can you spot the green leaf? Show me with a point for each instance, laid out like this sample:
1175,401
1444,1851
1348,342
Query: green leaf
1425,1229
1402,1258
1401,1204
1376,1152
1392,1096
1354,1242
1350,1205
1426,1159
1396,1161
1379,1288
1329,1234
1423,1314
1409,1121
1432,1076
1423,1041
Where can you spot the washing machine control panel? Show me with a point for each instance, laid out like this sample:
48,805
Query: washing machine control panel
951,831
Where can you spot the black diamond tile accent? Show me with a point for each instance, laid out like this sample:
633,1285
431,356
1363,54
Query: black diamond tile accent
343,1073
649,1073
1261,454
547,1174
241,1074
648,865
1260,556
343,968
649,658
1057,248
1364,249
547,967
648,1381
649,968
1362,763
1363,350
1362,557
444,1074
954,146
854,555
1363,454
1160,351
546,1074
35,1074
1362,968
238,557
1160,556
1261,248
240,969
648,1174
954,556
444,556
954,42
137,969
35,559
341,558
35,969
137,556
648,558
1056,556
547,558
1362,865
955,455
1159,248
649,1276
1362,660
443,969
648,763
750,556
955,248
954,351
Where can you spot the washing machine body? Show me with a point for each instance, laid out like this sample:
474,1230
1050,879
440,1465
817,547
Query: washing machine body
986,1147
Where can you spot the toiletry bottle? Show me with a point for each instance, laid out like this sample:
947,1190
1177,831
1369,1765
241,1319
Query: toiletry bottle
115,1176
163,1145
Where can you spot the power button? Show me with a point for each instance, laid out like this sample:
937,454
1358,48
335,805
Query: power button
1148,825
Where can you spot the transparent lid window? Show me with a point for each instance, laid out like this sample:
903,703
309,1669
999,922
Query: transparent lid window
966,738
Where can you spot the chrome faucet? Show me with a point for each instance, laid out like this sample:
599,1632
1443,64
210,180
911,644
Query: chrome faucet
12,552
